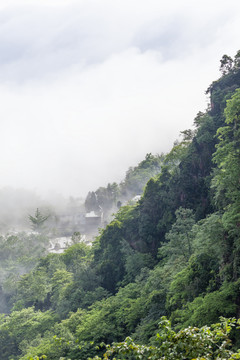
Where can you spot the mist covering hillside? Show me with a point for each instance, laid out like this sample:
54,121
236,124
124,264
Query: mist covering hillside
173,252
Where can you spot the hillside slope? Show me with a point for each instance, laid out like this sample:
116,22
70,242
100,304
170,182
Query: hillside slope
175,253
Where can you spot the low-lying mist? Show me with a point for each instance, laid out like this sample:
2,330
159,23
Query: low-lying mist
17,204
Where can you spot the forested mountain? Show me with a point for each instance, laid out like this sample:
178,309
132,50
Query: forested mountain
174,254
106,200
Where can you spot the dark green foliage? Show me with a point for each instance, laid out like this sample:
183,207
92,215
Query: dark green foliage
38,220
107,197
137,177
226,64
91,203
208,308
174,253
195,168
128,216
108,256
135,262
156,212
198,277
224,88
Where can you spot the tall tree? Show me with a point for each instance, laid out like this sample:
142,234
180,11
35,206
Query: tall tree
37,221
180,237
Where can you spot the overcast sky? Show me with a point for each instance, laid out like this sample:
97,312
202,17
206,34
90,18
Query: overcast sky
89,87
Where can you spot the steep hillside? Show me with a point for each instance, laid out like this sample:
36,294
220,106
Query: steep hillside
174,253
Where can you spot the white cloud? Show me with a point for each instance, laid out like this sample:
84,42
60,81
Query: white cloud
88,88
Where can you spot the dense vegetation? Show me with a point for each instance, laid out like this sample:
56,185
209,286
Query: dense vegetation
109,199
174,254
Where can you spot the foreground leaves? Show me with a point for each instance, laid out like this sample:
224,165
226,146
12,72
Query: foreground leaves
206,343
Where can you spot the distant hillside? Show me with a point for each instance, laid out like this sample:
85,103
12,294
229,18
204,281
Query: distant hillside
107,200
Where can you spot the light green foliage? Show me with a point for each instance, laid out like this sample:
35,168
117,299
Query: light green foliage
75,255
179,149
179,246
60,281
206,343
22,249
193,280
209,236
20,328
60,342
226,180
201,274
18,254
112,318
33,289
84,289
177,153
227,156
